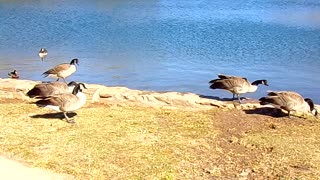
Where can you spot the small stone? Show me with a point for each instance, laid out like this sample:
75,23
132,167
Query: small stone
246,172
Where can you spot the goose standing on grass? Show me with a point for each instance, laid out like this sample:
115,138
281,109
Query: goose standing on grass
45,90
13,74
43,53
66,102
236,85
62,70
289,101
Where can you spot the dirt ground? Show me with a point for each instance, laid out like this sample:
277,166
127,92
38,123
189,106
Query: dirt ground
236,157
15,170
11,169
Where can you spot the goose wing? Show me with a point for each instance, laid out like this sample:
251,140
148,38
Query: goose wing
57,69
287,100
47,89
57,87
289,96
235,85
70,102
62,101
223,76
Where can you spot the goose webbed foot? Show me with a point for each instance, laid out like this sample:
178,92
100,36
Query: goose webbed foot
239,99
71,121
64,80
289,115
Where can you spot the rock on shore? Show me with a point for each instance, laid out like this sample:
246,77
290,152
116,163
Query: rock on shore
16,89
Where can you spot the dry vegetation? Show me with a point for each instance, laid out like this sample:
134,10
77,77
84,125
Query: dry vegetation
150,143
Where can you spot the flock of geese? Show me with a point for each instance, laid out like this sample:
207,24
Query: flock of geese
42,54
67,97
287,100
59,96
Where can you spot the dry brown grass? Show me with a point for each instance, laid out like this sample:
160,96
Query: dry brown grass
295,150
154,143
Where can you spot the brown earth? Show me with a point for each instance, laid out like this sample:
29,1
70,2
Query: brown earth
237,158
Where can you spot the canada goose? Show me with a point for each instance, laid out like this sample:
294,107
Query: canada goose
65,102
13,74
236,85
289,101
45,90
43,53
62,70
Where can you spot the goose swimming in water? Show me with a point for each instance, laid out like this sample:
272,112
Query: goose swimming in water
62,70
13,74
289,101
65,102
236,85
43,53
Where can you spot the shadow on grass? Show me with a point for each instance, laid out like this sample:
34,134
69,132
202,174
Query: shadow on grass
58,115
268,111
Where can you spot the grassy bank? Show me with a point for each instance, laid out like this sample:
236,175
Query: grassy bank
149,143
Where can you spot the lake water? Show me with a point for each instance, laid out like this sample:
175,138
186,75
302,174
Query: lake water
167,45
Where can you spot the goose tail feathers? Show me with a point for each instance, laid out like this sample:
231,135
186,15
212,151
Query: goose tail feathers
34,92
268,100
45,102
213,81
218,85
272,93
45,74
42,103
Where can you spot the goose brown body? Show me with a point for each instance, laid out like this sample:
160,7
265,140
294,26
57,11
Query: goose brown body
45,90
289,101
62,70
65,102
235,84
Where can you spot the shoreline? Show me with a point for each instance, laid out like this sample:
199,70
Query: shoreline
123,96
227,131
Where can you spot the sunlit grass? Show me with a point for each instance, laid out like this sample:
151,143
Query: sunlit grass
291,150
155,143
107,142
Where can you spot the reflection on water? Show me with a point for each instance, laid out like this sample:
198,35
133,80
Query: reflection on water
166,45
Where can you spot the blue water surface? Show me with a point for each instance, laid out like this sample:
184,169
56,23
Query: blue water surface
166,45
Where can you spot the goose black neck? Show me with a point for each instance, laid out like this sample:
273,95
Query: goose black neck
77,88
72,83
257,82
310,103
74,61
